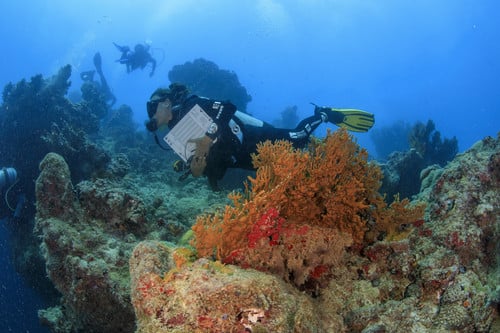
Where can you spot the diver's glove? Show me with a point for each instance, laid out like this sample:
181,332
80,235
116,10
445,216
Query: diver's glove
198,161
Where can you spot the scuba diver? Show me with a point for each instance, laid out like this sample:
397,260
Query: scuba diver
211,136
88,76
8,178
138,58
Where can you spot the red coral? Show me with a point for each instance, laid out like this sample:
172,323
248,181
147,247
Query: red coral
318,271
378,252
269,226
425,232
176,320
234,257
206,322
418,223
147,284
454,241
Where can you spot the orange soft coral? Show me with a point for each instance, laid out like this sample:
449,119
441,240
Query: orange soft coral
326,193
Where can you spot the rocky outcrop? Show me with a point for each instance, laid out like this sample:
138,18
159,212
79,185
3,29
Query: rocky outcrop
207,296
88,232
86,265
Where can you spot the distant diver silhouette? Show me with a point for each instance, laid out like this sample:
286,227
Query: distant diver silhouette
104,84
138,58
88,76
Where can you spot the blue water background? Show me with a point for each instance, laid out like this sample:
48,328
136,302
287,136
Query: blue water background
400,59
18,302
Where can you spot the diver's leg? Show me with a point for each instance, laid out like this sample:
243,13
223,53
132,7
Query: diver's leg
299,136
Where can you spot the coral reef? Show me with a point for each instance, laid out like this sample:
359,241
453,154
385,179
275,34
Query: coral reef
402,174
120,130
465,208
428,143
93,282
94,99
205,78
388,139
88,232
36,118
302,204
443,276
452,257
437,274
403,168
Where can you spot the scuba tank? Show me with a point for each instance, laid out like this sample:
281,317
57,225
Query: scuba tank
8,177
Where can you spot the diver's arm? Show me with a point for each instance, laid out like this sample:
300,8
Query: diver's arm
221,114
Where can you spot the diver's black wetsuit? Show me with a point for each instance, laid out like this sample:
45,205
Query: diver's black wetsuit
238,134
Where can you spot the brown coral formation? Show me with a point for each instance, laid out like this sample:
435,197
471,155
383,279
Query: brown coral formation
93,282
55,195
311,204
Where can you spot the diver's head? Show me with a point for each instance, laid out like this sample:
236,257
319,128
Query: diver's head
159,112
162,105
139,48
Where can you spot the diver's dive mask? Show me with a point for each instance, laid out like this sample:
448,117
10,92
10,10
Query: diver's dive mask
152,123
151,107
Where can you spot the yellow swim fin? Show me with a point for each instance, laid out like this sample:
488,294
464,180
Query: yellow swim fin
355,120
351,119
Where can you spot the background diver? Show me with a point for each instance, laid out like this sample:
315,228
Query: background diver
138,58
88,76
232,136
